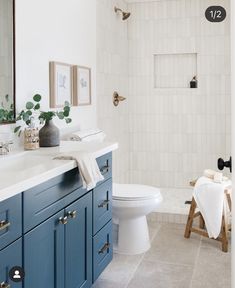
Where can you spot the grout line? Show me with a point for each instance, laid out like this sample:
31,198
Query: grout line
133,273
141,259
196,261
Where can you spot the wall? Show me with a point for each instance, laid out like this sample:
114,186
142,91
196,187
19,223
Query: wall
112,75
176,133
55,30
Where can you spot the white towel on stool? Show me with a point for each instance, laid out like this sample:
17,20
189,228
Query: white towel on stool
87,165
209,197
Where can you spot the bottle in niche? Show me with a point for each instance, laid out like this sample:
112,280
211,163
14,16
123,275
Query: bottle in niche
193,82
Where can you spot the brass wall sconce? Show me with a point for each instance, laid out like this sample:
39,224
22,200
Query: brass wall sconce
117,98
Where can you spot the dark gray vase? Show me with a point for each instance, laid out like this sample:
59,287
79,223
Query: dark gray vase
49,135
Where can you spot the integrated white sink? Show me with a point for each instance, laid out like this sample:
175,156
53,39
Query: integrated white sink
23,170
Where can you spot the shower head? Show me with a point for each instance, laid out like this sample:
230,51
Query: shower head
125,15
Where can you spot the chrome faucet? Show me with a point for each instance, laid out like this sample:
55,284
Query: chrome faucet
4,147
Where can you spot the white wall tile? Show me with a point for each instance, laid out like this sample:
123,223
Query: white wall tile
184,129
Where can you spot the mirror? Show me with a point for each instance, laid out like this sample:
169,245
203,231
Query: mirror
7,61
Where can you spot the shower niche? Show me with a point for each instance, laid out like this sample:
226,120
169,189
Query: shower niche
174,70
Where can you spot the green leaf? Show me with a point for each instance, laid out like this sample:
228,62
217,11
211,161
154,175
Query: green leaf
25,116
60,115
68,120
66,113
28,122
29,105
17,129
37,97
66,103
29,112
37,107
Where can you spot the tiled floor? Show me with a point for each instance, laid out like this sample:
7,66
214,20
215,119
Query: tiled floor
172,262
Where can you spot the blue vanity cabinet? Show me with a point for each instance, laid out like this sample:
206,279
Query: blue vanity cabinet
78,243
58,252
102,227
9,257
10,220
44,254
58,232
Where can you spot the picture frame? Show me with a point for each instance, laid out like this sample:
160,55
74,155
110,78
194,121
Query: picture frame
61,84
82,85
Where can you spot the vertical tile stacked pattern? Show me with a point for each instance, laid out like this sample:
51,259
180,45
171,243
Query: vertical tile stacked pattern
176,133
170,134
112,75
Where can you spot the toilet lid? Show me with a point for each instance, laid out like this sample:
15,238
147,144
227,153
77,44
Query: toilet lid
134,192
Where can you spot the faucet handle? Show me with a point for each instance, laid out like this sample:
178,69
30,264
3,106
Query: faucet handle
4,147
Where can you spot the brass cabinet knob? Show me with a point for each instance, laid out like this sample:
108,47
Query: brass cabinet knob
72,214
63,220
5,285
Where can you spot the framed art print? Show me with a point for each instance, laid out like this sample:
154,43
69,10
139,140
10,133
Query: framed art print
61,84
82,85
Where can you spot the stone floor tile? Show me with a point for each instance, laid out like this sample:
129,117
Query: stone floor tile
169,245
213,268
161,275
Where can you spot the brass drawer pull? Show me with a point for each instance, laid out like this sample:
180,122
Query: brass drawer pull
5,285
3,225
63,220
103,204
104,248
104,169
72,214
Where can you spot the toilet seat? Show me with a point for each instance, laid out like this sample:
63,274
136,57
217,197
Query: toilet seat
134,192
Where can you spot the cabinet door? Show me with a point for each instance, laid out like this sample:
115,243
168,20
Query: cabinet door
9,257
78,244
44,254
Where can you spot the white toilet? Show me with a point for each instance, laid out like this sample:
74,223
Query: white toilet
131,204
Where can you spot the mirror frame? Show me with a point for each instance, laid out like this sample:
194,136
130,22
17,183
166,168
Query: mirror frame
13,66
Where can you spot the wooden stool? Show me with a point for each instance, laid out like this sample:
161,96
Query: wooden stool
201,230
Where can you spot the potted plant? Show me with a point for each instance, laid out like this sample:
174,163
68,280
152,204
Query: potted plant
49,135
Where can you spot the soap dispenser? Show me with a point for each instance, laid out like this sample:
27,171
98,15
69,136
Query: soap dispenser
193,82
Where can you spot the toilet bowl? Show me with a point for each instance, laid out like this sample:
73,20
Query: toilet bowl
131,204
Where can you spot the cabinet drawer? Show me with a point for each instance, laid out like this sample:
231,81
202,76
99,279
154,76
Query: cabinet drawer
9,257
102,250
102,205
105,164
10,220
48,198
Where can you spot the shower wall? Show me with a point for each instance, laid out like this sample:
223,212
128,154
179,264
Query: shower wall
175,133
167,135
112,75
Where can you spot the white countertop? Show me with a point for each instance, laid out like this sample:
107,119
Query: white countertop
25,169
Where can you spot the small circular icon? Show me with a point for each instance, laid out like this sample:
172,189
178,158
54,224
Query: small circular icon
215,13
16,274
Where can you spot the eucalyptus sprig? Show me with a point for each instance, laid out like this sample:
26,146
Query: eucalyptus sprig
34,106
27,113
62,115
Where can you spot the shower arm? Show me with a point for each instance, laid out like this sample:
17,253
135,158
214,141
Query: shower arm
117,9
